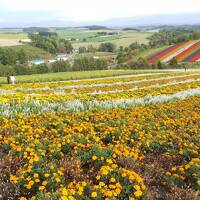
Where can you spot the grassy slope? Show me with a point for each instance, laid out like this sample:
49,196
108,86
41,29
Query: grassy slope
32,52
75,75
150,52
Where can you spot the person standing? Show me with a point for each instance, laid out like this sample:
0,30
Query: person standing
12,79
8,78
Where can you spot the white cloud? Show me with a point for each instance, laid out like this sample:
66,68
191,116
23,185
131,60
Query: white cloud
81,10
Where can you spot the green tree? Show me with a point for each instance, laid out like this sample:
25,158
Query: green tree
7,56
60,66
68,46
22,56
107,47
42,69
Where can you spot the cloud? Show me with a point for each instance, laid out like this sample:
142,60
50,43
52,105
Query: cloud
84,10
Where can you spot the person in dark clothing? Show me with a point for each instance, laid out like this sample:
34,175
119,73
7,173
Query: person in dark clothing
8,78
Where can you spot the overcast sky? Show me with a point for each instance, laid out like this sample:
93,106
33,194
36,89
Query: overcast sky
89,10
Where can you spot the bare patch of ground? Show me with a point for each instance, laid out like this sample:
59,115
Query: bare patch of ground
9,42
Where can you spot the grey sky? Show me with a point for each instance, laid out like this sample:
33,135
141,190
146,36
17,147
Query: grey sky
89,10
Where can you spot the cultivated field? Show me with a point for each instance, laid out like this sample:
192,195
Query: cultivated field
183,52
11,37
63,76
9,42
122,137
123,38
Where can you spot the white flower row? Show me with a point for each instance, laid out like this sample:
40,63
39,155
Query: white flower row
141,88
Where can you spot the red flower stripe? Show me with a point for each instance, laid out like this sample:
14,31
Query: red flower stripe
188,51
193,57
158,56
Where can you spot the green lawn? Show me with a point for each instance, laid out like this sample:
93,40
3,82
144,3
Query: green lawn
75,75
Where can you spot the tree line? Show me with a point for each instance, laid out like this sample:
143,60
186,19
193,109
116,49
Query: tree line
50,42
80,64
172,36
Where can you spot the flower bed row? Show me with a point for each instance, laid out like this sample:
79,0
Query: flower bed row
187,52
115,154
161,55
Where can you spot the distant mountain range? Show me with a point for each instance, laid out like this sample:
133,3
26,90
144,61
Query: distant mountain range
150,20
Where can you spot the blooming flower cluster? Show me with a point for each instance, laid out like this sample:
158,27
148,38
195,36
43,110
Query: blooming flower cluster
104,153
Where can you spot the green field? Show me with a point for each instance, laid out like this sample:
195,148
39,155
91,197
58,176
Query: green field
15,36
63,76
106,55
32,52
123,38
147,53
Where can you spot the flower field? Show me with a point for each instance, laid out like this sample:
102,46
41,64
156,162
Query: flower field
126,137
183,52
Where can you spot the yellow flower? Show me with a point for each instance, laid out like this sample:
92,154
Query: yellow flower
41,188
46,175
118,191
94,157
31,183
84,183
44,183
98,177
37,180
198,182
23,198
101,184
35,175
112,180
168,173
138,193
19,149
64,198
57,180
64,192
94,194
136,187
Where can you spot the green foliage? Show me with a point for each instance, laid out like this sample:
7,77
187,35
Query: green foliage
172,36
107,47
22,56
47,43
7,56
60,66
68,46
89,63
5,70
42,69
51,43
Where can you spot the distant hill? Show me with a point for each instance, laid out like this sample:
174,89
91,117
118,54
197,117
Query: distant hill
95,27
